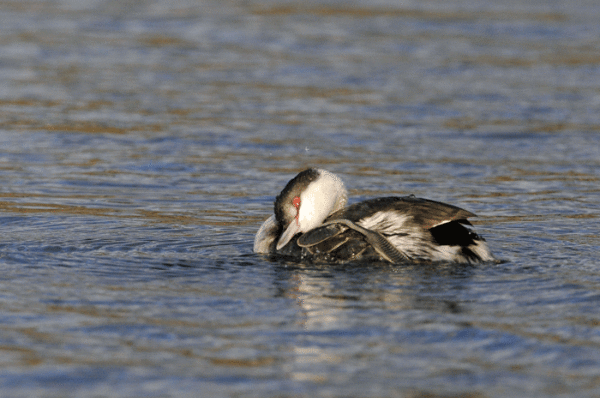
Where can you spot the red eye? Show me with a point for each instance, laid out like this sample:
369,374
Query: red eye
296,202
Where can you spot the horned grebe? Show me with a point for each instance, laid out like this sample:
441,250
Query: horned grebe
312,222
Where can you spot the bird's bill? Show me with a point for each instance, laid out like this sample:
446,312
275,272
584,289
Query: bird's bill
288,234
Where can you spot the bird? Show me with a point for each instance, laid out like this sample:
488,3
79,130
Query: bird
312,222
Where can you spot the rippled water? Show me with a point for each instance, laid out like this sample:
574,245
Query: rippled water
142,144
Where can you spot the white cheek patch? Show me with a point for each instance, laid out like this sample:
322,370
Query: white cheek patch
308,210
318,200
316,203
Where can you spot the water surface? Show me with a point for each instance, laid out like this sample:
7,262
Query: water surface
142,144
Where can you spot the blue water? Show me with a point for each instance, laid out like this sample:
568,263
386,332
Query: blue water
142,145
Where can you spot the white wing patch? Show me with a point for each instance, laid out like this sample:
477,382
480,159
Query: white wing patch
385,222
416,242
400,232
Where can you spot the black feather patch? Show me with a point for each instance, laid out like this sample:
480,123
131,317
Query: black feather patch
454,233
